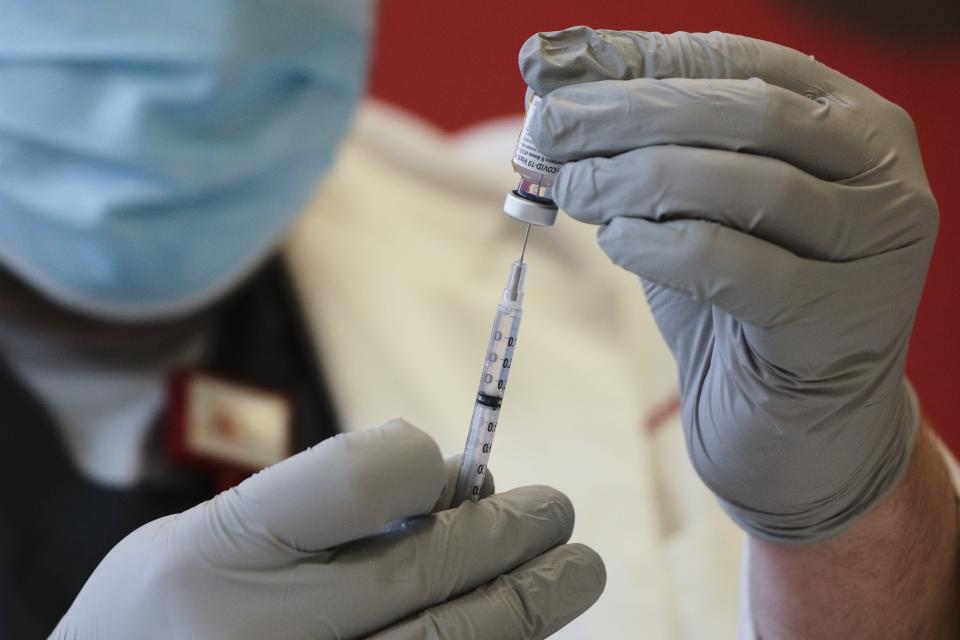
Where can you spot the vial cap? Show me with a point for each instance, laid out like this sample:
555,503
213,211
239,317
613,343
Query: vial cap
540,212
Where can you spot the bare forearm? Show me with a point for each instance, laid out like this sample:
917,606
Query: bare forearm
896,574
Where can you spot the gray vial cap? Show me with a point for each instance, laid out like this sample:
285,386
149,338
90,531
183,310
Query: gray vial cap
541,212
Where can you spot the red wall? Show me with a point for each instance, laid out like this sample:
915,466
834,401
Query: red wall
455,63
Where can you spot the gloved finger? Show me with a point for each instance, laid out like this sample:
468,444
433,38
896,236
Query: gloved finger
611,117
531,602
753,280
431,559
767,198
452,469
581,54
683,323
346,488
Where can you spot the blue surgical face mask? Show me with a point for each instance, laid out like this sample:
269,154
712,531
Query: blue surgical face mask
153,153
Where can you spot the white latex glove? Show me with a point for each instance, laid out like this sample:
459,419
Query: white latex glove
303,550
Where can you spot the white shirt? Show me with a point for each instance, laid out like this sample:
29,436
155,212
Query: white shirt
400,262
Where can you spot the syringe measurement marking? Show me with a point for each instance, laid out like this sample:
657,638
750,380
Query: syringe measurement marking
489,399
493,402
497,362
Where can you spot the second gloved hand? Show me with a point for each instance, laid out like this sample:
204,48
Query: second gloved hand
780,218
303,550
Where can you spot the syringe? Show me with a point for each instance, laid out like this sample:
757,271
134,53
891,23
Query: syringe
530,202
493,383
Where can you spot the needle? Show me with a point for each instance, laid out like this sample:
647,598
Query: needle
526,237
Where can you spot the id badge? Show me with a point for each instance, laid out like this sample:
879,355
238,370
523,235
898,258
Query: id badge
225,424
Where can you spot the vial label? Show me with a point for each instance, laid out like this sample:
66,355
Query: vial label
527,156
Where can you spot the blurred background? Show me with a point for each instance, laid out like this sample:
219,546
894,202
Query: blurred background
454,64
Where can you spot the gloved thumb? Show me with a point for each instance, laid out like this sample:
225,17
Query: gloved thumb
346,488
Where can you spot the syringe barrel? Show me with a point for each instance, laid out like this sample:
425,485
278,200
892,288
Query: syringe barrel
476,453
493,383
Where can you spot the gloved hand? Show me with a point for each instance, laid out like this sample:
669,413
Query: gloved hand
300,551
780,219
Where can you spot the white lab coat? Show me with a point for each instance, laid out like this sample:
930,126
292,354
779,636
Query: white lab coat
399,262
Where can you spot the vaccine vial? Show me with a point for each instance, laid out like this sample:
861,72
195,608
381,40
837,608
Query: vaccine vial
532,200
537,171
